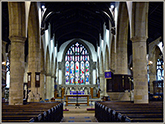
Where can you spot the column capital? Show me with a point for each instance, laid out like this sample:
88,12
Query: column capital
139,39
17,39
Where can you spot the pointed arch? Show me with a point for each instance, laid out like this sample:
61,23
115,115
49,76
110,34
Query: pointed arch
17,18
139,14
33,38
33,21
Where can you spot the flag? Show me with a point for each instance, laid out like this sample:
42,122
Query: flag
108,75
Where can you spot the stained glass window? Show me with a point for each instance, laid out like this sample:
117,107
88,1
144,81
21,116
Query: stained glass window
77,65
160,71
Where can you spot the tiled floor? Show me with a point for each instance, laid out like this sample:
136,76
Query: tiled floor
79,114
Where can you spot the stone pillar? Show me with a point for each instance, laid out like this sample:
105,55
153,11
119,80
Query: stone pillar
33,48
139,36
16,70
52,87
105,87
17,36
121,58
102,85
122,38
33,65
140,70
42,83
48,86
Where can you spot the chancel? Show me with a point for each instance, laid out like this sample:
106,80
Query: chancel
82,61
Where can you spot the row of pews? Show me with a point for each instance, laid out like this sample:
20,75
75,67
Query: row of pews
122,111
33,112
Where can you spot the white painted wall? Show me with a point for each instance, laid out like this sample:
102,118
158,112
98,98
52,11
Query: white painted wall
49,43
94,76
60,77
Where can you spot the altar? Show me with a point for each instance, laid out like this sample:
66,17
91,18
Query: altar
75,96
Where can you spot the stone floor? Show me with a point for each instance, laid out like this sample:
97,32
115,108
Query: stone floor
79,114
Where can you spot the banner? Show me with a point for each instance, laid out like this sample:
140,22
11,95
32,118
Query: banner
108,74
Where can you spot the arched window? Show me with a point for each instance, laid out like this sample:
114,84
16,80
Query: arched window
160,71
77,65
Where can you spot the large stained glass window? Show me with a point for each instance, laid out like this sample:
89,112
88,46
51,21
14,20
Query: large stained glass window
160,70
77,65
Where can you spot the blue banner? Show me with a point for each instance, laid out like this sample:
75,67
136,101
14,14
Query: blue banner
108,75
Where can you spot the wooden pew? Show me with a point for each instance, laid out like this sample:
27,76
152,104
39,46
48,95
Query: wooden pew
143,119
37,111
28,120
126,111
18,119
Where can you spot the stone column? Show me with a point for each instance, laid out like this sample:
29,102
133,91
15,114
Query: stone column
140,70
16,70
48,86
33,48
122,38
139,37
105,87
42,82
17,36
52,87
33,64
102,85
121,58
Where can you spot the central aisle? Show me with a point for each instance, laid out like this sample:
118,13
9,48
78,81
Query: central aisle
79,114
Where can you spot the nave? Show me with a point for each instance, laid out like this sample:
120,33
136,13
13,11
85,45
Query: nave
55,51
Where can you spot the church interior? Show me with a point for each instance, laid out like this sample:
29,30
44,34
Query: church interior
82,61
